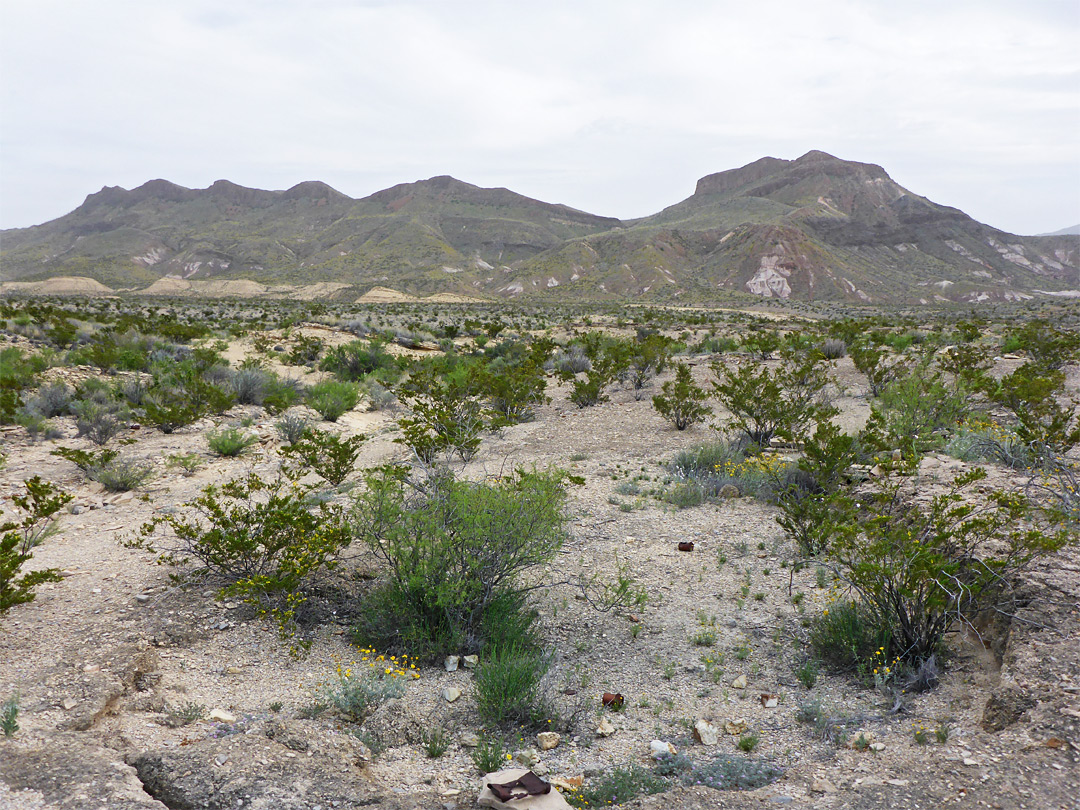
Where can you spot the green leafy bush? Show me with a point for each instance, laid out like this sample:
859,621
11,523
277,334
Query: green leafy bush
261,540
332,398
446,416
682,402
357,359
230,441
330,457
508,684
808,512
358,690
916,412
460,556
764,403
38,505
916,566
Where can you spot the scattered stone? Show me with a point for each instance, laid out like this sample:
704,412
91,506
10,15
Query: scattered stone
221,759
451,663
567,782
897,782
470,661
822,786
735,726
527,757
659,749
605,729
222,716
739,683
706,733
877,747
729,491
451,693
469,740
69,704
770,701
970,762
142,598
547,740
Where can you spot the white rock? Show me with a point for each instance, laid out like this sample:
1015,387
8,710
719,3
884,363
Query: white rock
222,716
822,786
739,683
605,729
705,732
451,663
528,757
470,661
547,740
660,749
451,693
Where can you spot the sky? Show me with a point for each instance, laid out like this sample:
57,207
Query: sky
613,107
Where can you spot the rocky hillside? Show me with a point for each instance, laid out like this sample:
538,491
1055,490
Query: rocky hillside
813,228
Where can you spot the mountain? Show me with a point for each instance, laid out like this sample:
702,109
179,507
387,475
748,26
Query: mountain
815,228
1072,230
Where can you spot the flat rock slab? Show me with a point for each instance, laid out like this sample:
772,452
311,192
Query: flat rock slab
69,772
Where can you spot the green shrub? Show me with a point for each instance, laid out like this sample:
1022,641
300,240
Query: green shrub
764,403
182,393
330,457
355,360
445,412
260,540
292,427
97,422
9,715
305,349
459,556
355,695
808,514
330,399
682,402
508,684
733,772
490,754
109,468
875,364
122,473
917,565
916,412
51,400
1048,346
514,390
38,506
621,784
1032,395
230,441
846,636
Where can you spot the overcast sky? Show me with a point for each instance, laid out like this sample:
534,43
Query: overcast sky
616,107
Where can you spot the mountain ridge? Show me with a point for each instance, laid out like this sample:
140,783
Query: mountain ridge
817,227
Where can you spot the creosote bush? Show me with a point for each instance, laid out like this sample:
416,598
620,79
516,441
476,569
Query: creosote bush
682,402
915,566
260,540
38,507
